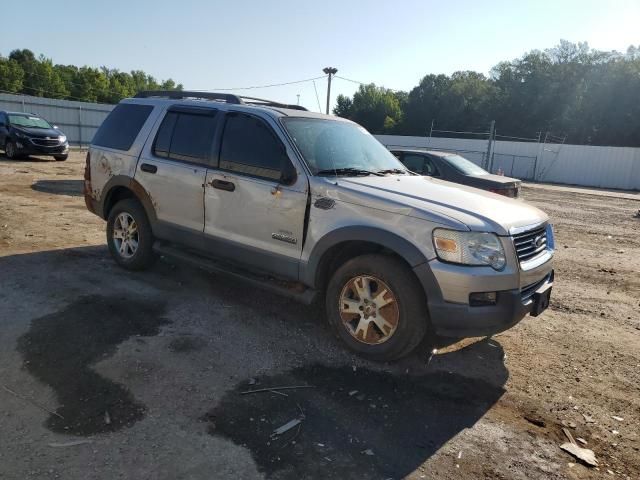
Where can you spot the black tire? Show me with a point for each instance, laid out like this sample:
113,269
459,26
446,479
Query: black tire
411,313
143,257
60,158
10,150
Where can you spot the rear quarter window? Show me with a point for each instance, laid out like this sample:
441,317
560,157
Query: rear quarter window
120,129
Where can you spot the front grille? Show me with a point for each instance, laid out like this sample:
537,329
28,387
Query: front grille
531,243
43,142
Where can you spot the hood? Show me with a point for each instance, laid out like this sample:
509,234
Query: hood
436,200
38,132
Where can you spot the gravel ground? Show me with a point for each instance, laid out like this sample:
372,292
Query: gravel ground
110,374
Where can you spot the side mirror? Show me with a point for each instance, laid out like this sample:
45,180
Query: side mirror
289,174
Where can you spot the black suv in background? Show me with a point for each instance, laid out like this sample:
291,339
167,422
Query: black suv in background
23,134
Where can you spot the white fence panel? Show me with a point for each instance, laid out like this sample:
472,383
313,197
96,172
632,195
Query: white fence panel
78,120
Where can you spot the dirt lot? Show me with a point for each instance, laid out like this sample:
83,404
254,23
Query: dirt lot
109,374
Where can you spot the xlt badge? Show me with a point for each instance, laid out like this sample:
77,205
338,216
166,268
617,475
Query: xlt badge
284,237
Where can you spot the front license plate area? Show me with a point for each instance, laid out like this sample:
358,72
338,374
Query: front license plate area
540,302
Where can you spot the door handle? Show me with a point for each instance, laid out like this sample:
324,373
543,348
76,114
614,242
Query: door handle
223,185
146,167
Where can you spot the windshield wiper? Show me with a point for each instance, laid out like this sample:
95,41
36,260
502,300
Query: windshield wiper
393,170
348,171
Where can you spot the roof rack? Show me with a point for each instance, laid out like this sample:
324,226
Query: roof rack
221,97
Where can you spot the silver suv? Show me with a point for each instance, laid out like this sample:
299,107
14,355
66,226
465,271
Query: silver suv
312,206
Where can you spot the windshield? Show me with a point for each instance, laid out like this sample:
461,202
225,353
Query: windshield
330,145
28,121
465,166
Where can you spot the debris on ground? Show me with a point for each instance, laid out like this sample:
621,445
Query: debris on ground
353,392
535,420
32,402
368,451
72,443
583,454
287,426
619,419
581,440
107,418
588,418
273,389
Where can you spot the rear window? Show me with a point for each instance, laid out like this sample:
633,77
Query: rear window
121,127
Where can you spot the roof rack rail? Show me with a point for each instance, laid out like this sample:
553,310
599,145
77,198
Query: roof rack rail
181,94
225,97
270,103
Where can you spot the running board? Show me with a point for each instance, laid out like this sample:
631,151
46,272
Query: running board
293,290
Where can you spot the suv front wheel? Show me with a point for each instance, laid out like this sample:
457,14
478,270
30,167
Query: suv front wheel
376,306
129,235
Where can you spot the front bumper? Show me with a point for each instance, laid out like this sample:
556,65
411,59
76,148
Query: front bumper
446,286
24,146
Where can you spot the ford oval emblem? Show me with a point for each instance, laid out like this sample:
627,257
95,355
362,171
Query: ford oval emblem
539,240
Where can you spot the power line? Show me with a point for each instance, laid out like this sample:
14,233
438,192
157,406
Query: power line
350,80
262,86
317,97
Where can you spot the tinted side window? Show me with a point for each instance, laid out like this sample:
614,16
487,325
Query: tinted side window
413,162
186,137
430,168
193,137
163,138
121,127
3,119
248,146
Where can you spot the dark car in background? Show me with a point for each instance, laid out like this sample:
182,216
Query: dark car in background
23,134
455,168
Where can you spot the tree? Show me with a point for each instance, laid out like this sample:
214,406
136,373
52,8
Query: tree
375,108
23,72
11,75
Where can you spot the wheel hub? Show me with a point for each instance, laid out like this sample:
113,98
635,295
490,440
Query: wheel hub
369,309
125,235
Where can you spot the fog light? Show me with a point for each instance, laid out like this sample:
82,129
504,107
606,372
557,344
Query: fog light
482,298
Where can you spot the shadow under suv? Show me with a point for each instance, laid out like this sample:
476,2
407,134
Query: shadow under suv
312,206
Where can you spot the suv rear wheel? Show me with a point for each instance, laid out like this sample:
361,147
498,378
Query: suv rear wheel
376,306
129,235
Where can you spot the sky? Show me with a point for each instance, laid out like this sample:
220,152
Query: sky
213,45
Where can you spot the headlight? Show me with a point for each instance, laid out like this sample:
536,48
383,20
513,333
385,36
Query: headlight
469,248
62,138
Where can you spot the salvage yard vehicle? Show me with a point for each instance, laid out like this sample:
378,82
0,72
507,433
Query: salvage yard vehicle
24,134
313,206
455,168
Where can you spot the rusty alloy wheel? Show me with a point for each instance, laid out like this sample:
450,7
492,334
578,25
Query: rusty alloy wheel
369,309
125,235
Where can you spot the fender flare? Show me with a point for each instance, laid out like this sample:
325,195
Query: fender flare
138,191
402,247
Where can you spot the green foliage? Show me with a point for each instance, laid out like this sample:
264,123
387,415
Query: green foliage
591,96
375,108
22,72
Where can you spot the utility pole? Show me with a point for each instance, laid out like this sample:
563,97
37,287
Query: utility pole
298,95
329,71
491,133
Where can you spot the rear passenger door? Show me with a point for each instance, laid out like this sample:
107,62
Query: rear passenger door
252,216
173,169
